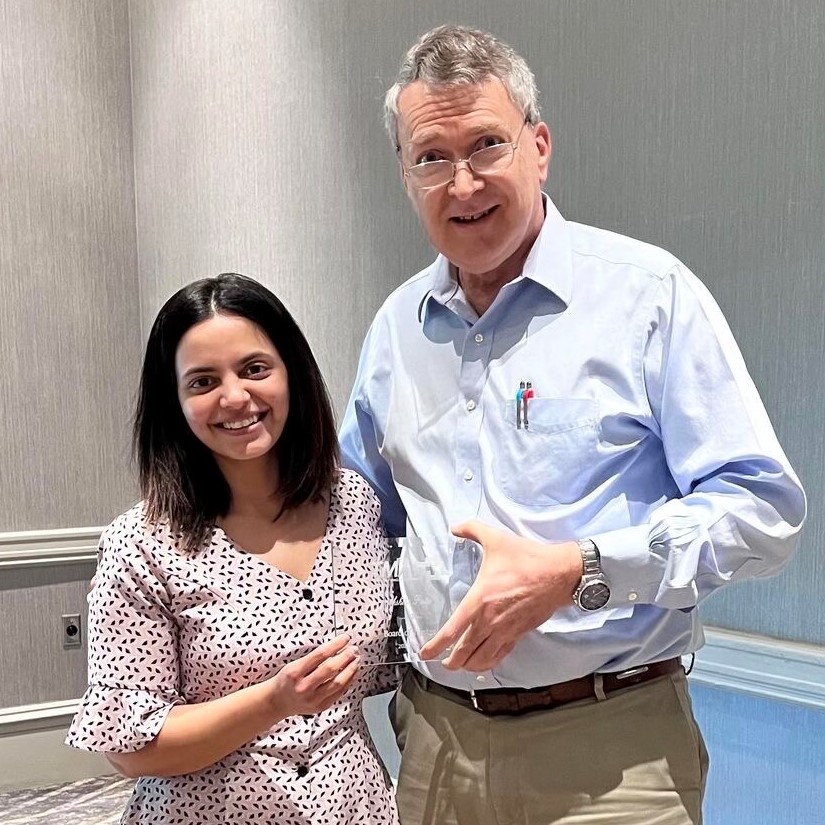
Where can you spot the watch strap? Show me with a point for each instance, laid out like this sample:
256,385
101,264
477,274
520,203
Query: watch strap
591,558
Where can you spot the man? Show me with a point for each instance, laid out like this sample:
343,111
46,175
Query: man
640,474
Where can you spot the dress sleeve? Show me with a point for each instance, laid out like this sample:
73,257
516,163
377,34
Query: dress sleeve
133,648
375,597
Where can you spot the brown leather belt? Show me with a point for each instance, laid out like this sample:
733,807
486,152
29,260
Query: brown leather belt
513,701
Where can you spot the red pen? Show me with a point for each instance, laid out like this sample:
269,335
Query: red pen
529,393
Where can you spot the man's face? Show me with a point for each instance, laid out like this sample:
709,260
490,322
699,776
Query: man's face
482,224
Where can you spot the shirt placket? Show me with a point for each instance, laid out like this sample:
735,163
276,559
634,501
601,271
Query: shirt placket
475,357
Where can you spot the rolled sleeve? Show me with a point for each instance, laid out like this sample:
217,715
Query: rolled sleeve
133,650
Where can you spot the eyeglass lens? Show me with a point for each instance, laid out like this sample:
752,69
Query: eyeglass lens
488,159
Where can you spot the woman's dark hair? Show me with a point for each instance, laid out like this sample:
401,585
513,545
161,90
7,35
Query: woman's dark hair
179,477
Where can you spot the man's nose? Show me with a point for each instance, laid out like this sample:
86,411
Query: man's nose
465,182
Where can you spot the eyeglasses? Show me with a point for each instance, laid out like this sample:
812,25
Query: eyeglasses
487,161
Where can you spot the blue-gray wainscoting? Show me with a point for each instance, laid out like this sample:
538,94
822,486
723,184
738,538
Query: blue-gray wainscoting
767,759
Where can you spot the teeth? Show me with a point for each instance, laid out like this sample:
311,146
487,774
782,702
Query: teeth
471,218
238,425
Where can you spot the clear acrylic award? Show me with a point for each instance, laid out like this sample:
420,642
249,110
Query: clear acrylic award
421,580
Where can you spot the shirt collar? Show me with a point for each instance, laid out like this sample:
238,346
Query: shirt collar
548,264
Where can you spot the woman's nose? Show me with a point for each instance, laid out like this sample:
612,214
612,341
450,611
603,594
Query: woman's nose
234,394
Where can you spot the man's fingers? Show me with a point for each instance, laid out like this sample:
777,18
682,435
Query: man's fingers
452,629
462,651
474,649
486,656
473,530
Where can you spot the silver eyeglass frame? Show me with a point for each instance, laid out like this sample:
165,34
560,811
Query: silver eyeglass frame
468,160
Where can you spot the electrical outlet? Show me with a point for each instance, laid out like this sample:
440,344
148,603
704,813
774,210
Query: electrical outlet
71,630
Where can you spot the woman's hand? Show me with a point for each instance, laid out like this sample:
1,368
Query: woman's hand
315,681
198,735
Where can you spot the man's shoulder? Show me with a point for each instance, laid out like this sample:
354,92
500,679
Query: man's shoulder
589,244
409,295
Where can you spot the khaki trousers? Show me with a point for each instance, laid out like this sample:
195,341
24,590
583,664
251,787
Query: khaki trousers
634,758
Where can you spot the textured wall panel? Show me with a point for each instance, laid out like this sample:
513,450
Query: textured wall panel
36,666
700,127
258,149
69,312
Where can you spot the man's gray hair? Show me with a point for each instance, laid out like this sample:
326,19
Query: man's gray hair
457,55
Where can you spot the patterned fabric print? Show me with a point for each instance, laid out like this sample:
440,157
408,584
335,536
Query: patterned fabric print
167,628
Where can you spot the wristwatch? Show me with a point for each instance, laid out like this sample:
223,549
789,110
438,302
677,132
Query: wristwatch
593,591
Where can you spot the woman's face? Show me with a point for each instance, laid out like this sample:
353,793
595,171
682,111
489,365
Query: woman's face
232,387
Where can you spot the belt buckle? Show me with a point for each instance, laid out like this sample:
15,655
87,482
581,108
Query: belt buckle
474,700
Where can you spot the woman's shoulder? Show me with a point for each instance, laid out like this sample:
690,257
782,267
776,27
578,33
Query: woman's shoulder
350,482
356,498
134,528
131,523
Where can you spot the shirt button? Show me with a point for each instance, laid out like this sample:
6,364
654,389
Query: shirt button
479,337
632,596
471,405
307,594
468,475
303,770
481,678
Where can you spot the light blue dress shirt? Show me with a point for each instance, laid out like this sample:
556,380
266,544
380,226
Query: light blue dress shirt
645,433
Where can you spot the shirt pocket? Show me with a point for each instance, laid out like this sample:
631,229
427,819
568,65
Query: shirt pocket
552,460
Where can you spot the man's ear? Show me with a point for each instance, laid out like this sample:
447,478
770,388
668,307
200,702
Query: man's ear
544,145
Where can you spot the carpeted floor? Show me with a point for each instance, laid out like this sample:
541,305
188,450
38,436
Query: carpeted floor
98,801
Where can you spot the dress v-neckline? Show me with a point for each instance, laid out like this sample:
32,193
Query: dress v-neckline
278,571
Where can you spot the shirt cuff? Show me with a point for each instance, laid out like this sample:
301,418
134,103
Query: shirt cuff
633,572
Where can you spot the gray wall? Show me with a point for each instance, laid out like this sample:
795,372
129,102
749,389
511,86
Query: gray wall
257,149
69,334
69,313
145,143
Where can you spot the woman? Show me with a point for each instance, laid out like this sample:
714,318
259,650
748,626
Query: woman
218,670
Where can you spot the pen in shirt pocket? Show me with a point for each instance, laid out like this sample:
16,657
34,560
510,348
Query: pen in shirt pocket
524,393
529,393
519,401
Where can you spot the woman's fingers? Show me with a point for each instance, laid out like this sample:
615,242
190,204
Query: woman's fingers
339,684
315,681
316,658
329,669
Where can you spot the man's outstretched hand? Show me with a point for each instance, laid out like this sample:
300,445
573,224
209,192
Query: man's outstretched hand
520,584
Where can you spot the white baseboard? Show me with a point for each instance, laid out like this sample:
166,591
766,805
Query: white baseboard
759,666
44,716
33,755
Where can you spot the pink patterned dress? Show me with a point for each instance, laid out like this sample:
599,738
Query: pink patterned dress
167,628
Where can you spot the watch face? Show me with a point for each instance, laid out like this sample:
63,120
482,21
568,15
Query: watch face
594,595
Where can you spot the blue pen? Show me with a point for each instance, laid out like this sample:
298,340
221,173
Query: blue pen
519,396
